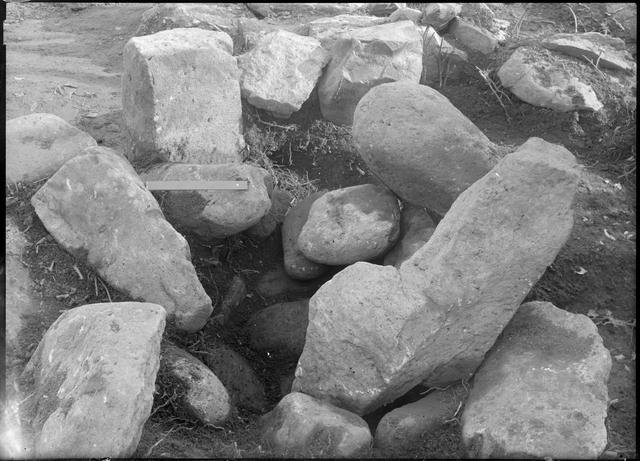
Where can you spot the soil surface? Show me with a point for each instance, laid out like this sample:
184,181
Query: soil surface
68,61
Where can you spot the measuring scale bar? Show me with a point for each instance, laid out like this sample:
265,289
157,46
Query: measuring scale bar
197,185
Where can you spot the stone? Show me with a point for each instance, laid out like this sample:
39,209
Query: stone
542,390
38,144
538,80
280,205
406,14
422,147
357,223
607,51
97,208
281,71
285,384
296,264
236,293
440,60
303,9
174,85
252,30
277,282
383,9
439,15
243,385
375,332
416,227
409,424
328,30
213,213
303,426
479,14
203,396
280,328
364,58
92,380
473,37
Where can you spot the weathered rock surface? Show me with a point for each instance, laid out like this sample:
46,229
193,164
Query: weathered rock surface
328,30
243,385
38,144
357,223
542,390
438,15
303,426
280,328
280,204
252,30
406,14
606,50
303,9
409,424
277,282
473,37
540,82
280,72
416,227
97,208
213,213
204,396
375,331
364,58
181,97
479,14
419,144
383,9
296,264
440,60
92,377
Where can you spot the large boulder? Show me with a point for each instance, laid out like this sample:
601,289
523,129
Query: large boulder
252,30
416,228
364,58
281,71
607,51
303,9
202,395
328,30
303,426
213,213
36,145
375,332
438,15
296,264
473,37
542,390
357,223
406,14
540,81
97,208
419,144
91,380
478,13
181,97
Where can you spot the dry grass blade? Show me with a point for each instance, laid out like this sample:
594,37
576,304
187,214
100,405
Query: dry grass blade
521,20
575,19
497,92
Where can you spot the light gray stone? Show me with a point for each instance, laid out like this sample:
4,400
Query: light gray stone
213,213
303,9
473,37
328,30
280,328
539,81
479,14
97,208
357,223
181,97
364,58
252,30
416,227
38,144
92,380
406,14
438,15
419,144
542,390
303,426
203,397
375,332
281,71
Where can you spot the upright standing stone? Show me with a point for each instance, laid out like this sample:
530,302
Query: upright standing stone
181,97
92,380
542,390
37,145
375,332
364,58
97,208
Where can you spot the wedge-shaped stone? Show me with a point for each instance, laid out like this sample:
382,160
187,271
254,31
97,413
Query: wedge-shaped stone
92,380
213,213
38,144
419,144
375,332
281,71
303,426
364,58
542,390
96,207
181,97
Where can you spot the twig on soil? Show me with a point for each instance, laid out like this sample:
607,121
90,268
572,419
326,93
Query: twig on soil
455,415
497,92
75,268
275,125
595,65
575,19
521,20
148,453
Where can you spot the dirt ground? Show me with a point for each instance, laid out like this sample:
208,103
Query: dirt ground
68,62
